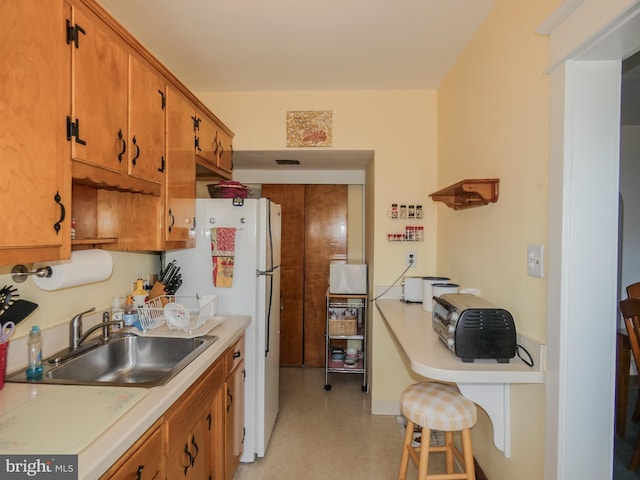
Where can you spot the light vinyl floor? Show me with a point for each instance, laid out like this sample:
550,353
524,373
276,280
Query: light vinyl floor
322,435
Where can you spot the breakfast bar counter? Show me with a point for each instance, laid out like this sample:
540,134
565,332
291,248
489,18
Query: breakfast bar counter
486,382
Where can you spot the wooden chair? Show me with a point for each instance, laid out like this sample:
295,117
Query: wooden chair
633,291
630,309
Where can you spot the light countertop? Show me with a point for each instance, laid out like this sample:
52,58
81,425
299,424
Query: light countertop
426,355
97,423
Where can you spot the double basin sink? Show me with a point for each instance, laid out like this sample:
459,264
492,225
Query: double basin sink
125,360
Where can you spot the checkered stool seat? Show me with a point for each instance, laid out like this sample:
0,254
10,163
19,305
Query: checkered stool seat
437,406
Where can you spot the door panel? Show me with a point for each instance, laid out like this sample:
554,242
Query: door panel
325,240
291,197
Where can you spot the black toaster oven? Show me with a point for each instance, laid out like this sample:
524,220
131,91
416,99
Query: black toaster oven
474,328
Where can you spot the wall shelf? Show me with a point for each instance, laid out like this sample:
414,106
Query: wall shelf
468,193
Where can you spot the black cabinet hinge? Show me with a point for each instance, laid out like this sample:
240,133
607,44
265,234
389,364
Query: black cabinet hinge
196,123
196,144
73,130
72,33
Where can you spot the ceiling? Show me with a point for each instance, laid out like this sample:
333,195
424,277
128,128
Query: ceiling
258,45
285,45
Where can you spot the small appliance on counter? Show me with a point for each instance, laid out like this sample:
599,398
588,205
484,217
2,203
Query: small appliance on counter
474,328
412,289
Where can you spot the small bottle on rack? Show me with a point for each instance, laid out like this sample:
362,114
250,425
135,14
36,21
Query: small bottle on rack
394,210
403,211
411,212
130,313
34,344
418,211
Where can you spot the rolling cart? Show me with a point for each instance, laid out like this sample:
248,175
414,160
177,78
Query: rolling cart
346,336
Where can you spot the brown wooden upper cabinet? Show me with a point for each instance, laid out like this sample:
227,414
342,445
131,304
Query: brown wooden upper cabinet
213,146
111,86
35,185
180,182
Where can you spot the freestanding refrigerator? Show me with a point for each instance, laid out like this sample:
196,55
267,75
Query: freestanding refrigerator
242,267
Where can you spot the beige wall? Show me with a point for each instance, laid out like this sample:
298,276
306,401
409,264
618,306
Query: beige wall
400,127
493,121
56,307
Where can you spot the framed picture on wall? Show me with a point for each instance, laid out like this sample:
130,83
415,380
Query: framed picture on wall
309,129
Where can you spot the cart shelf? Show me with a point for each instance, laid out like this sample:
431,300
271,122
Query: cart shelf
346,325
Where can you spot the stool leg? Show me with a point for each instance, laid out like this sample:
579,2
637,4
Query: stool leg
469,467
423,464
448,453
406,445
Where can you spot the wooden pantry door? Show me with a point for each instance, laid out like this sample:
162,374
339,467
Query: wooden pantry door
314,219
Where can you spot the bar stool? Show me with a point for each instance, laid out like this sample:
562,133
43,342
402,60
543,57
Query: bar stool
437,406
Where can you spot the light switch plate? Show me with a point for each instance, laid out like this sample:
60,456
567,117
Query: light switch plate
535,260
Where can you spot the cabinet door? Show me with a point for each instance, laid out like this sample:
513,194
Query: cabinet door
181,170
145,461
225,152
99,84
147,128
234,422
35,183
207,146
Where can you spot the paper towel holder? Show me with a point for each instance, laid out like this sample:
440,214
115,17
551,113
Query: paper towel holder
19,273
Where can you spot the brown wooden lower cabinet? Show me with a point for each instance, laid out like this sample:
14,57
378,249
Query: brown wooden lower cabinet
234,408
142,462
199,437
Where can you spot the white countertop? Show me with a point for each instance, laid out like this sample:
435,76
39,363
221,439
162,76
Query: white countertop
120,427
426,355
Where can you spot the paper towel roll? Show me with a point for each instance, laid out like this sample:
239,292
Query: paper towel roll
85,266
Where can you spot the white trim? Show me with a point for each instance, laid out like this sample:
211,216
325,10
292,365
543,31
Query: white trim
560,15
583,199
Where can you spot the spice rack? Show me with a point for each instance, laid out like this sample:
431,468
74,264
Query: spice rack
412,233
468,193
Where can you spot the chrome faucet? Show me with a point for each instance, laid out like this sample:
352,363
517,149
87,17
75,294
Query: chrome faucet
76,337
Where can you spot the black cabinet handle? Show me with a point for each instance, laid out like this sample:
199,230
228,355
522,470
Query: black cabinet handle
124,146
237,354
139,472
135,158
190,461
173,220
195,445
58,199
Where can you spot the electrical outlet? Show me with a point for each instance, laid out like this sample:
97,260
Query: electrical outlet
411,259
535,258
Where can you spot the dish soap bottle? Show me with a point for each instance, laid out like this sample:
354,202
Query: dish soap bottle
34,343
130,313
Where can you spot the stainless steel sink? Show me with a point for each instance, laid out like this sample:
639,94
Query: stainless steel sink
124,361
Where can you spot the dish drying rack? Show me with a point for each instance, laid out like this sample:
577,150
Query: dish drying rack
178,312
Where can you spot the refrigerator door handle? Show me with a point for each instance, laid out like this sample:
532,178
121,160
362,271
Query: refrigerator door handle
268,272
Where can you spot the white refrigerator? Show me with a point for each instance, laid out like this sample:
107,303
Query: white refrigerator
254,291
